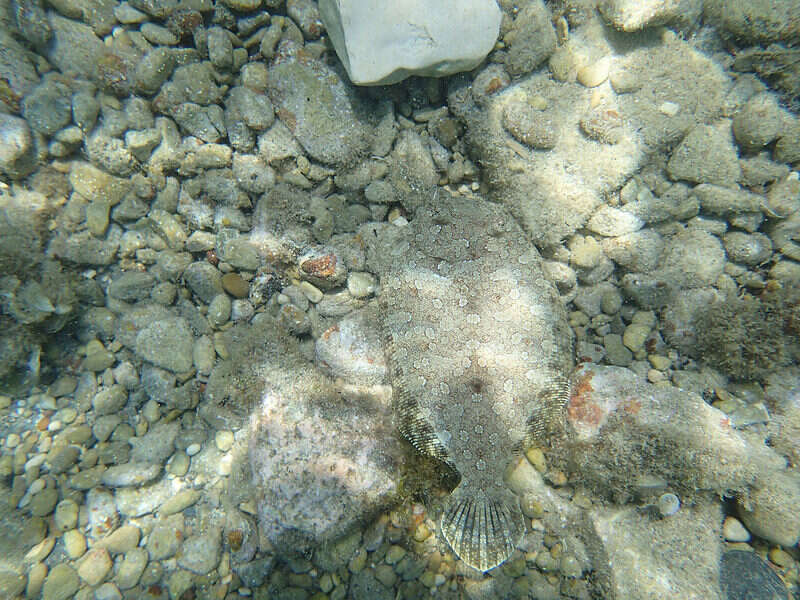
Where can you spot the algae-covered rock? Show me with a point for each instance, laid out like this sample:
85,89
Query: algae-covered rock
318,108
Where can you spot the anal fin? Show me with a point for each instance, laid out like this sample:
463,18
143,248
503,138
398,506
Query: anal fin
483,530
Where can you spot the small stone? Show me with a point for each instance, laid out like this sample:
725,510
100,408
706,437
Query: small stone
758,122
616,352
422,532
235,285
98,358
110,401
103,517
43,503
74,543
180,502
734,531
201,552
130,474
613,222
595,73
107,591
121,540
167,344
611,302
668,504
178,465
358,562
360,284
749,249
165,539
66,516
157,445
706,155
193,449
537,459
635,336
41,550
131,568
385,575
376,47
395,554
95,566
780,557
61,583
224,440
17,155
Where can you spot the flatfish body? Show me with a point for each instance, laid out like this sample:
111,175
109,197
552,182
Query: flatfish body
479,350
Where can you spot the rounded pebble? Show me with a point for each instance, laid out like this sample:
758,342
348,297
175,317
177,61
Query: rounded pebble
594,74
668,504
235,285
734,531
223,440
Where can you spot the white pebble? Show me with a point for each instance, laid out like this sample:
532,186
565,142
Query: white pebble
669,108
224,440
668,504
193,449
595,73
734,531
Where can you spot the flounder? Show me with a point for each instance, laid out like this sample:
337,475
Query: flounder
479,350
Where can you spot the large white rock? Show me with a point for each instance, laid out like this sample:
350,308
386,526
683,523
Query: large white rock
385,42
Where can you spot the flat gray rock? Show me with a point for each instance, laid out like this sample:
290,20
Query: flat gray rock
167,344
385,42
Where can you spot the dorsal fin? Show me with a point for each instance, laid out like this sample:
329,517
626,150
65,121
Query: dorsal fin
414,428
549,416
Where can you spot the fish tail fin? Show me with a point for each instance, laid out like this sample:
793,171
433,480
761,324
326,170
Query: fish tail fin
482,529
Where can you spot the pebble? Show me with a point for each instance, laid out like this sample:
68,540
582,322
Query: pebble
613,222
120,540
193,449
758,123
157,445
43,503
130,474
224,440
103,517
595,73
40,550
201,553
385,575
167,344
178,465
95,566
180,502
165,539
107,591
61,584
635,336
131,568
668,504
360,284
235,285
734,531
749,249
395,554
616,352
36,577
66,516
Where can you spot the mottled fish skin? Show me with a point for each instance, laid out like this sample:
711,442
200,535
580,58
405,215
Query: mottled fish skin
479,350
